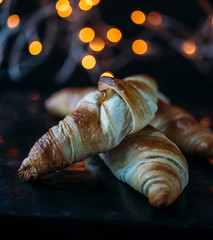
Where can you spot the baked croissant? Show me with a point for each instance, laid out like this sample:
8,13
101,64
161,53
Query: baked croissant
150,163
183,129
147,160
100,122
60,103
176,123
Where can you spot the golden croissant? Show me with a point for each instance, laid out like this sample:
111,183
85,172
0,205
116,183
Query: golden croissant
99,123
147,160
176,123
151,164
183,129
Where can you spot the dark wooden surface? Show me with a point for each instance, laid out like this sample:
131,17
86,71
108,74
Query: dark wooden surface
86,199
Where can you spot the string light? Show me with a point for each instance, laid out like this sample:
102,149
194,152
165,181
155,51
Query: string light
188,47
13,21
65,13
85,5
35,47
97,44
95,2
62,5
138,17
154,18
211,161
114,35
88,62
63,8
139,47
107,74
86,34
84,38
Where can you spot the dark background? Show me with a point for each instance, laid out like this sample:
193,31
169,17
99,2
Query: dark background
178,77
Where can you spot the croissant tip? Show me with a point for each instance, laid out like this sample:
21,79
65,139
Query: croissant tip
205,148
25,171
160,196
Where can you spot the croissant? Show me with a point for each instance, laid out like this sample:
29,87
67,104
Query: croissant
60,103
183,129
176,123
150,163
99,123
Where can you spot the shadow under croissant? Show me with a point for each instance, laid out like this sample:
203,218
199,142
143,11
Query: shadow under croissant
92,176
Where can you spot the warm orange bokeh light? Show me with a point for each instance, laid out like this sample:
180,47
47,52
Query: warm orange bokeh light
66,13
107,74
97,44
188,47
114,35
13,21
1,1
138,17
88,62
154,18
86,34
35,47
62,5
139,47
210,160
85,5
95,2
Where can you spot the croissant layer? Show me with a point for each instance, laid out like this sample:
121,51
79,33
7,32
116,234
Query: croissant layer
183,129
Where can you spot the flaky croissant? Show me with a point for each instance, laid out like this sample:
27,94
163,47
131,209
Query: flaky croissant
60,103
183,129
151,164
147,160
100,122
176,123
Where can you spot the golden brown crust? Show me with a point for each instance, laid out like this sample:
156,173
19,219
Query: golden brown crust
129,90
183,129
65,101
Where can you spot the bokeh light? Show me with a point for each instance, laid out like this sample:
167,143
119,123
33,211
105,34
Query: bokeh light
86,34
139,47
65,13
35,47
88,62
85,5
13,21
62,5
114,35
188,47
95,2
107,74
97,44
154,18
138,17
